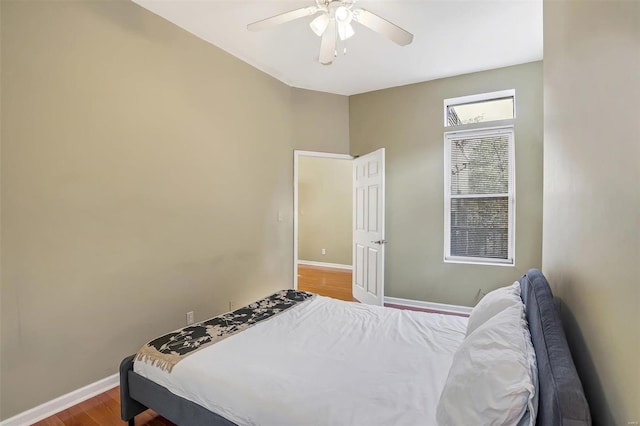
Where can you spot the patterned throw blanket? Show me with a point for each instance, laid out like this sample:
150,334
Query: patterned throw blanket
166,351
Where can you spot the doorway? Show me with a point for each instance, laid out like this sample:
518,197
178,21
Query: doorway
323,217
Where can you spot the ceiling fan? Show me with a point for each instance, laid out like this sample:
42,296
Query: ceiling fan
334,23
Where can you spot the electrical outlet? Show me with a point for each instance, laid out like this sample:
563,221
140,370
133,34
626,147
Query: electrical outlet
324,251
190,318
232,305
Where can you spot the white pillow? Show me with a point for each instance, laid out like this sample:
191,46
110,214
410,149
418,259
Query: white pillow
493,303
492,380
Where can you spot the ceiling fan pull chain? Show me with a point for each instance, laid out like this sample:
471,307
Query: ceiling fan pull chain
335,47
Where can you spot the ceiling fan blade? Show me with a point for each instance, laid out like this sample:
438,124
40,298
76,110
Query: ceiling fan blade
282,18
382,26
328,44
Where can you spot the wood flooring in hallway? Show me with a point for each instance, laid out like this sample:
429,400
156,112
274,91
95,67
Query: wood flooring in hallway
330,282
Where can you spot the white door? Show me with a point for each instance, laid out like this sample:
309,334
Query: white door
368,228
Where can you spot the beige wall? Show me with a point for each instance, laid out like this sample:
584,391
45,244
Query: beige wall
408,122
320,120
325,210
142,175
591,236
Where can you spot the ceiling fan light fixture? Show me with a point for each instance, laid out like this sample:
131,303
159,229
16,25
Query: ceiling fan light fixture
345,31
343,15
319,24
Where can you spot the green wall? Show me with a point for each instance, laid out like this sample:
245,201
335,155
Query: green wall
408,122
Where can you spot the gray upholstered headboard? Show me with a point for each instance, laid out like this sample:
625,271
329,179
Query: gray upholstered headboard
561,396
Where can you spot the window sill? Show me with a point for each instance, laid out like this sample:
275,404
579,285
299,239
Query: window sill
486,262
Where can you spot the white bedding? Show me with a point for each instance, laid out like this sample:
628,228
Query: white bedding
324,362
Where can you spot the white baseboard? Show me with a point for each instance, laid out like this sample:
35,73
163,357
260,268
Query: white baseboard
63,402
324,264
442,307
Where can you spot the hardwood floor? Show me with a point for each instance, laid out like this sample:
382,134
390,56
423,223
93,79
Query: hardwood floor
328,282
101,410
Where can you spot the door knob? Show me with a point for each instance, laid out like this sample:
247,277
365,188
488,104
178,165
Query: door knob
379,242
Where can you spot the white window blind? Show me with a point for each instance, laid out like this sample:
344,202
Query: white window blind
479,196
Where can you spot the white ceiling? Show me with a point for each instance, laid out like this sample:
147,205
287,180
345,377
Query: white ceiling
451,38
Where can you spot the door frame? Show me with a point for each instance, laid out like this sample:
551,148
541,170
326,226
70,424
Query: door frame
296,156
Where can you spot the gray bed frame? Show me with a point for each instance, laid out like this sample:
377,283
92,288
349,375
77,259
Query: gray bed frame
561,397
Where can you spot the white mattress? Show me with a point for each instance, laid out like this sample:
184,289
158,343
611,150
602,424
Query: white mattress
323,362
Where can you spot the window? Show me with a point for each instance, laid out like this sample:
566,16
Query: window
479,186
483,108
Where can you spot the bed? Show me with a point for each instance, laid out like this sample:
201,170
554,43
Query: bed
276,371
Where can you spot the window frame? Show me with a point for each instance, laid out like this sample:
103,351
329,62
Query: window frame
467,134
